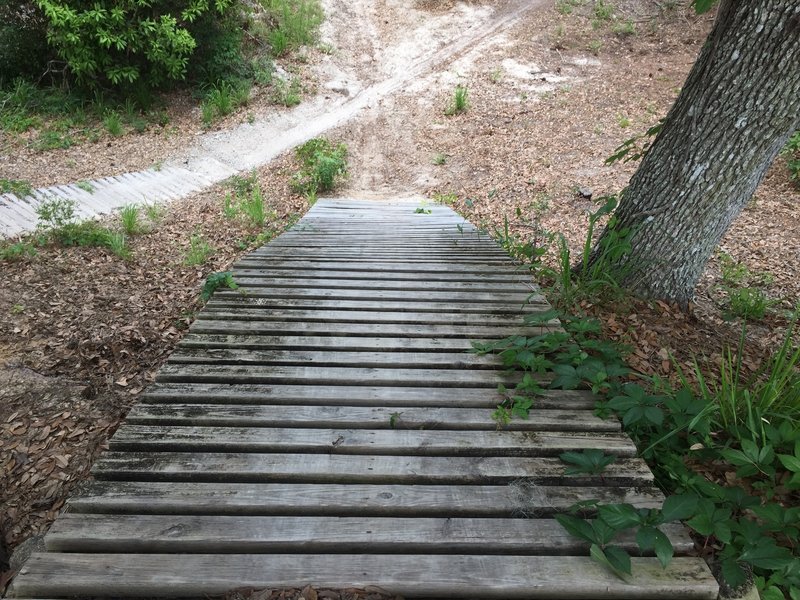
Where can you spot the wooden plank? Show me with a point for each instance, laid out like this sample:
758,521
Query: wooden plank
385,284
193,498
473,332
256,313
332,358
255,261
406,442
235,300
319,342
389,295
339,469
388,396
336,535
362,417
311,271
334,376
409,575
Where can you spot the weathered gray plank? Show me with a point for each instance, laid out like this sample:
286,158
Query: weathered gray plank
389,396
416,285
332,358
312,271
234,300
514,500
336,535
361,417
320,342
409,575
341,468
390,295
254,314
254,261
334,376
406,442
472,332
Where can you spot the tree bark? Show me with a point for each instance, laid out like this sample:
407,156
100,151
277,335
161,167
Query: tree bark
738,107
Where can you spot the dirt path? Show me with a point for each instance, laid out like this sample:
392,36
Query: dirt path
379,49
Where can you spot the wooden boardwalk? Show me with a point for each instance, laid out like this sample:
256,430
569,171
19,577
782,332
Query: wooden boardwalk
328,427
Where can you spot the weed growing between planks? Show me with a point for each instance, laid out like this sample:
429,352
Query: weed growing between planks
729,455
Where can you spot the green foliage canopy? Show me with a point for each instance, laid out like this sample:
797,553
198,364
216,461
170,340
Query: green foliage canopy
127,41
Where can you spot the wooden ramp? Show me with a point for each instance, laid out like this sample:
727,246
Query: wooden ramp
328,427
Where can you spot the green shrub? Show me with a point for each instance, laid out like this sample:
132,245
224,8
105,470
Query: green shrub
23,41
296,23
126,41
460,102
323,164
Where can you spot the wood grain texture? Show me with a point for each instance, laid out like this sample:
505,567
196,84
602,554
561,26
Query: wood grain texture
342,468
363,417
412,576
335,535
327,424
520,499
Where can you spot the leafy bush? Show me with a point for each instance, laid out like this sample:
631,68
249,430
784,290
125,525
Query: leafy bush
323,164
23,41
122,42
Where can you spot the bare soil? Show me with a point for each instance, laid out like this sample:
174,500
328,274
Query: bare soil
551,95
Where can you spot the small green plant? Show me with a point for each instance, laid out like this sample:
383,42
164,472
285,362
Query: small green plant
792,153
564,7
17,251
198,252
448,199
286,93
589,462
55,213
17,309
624,29
623,121
19,187
439,158
214,282
603,11
129,214
223,99
85,186
496,76
460,101
748,303
595,46
154,212
113,123
421,210
323,165
252,207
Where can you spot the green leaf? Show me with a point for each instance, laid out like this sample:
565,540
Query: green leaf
646,538
702,6
679,507
767,555
576,527
663,548
619,516
619,559
790,463
732,573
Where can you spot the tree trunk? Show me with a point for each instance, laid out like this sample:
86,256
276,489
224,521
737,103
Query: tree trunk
740,104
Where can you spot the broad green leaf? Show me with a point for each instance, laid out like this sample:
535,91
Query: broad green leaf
576,527
732,573
646,538
767,555
663,548
790,463
772,593
619,516
679,507
619,559
702,6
